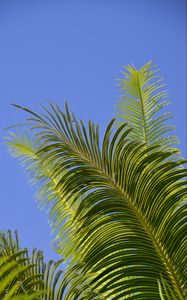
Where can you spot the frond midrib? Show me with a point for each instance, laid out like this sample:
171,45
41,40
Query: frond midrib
159,247
142,110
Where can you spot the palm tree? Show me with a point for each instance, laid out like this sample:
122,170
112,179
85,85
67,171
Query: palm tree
117,207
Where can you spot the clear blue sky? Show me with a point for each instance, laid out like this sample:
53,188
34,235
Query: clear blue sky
75,50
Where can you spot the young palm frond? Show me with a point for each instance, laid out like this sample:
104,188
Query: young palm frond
142,99
132,215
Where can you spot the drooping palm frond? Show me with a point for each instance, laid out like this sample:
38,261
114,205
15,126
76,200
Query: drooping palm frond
132,217
140,104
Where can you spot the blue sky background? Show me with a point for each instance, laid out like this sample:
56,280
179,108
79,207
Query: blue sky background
75,50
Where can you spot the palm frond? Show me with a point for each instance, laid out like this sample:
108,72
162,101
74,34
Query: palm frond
142,100
132,216
24,277
166,293
16,271
60,211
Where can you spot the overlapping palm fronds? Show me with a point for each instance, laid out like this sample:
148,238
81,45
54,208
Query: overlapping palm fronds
142,105
129,205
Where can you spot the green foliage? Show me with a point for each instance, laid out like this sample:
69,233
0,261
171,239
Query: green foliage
24,277
142,100
60,212
117,206
166,292
131,217
18,273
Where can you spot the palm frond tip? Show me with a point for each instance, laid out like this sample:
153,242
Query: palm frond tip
142,104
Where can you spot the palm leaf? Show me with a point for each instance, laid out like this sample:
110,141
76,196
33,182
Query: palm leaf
61,212
26,278
132,216
24,275
16,271
142,99
166,293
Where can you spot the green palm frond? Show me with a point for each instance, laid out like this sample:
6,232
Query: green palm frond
132,227
61,212
166,293
17,276
142,100
26,278
25,275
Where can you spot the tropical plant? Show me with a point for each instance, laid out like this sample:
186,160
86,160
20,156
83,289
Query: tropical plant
24,277
118,206
19,275
142,99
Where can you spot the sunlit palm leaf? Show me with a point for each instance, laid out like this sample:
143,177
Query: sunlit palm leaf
60,211
142,100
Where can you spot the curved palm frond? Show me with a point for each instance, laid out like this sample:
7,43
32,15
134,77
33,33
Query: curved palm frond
142,99
132,216
60,211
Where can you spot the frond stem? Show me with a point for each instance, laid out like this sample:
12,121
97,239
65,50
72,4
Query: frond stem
143,110
158,245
